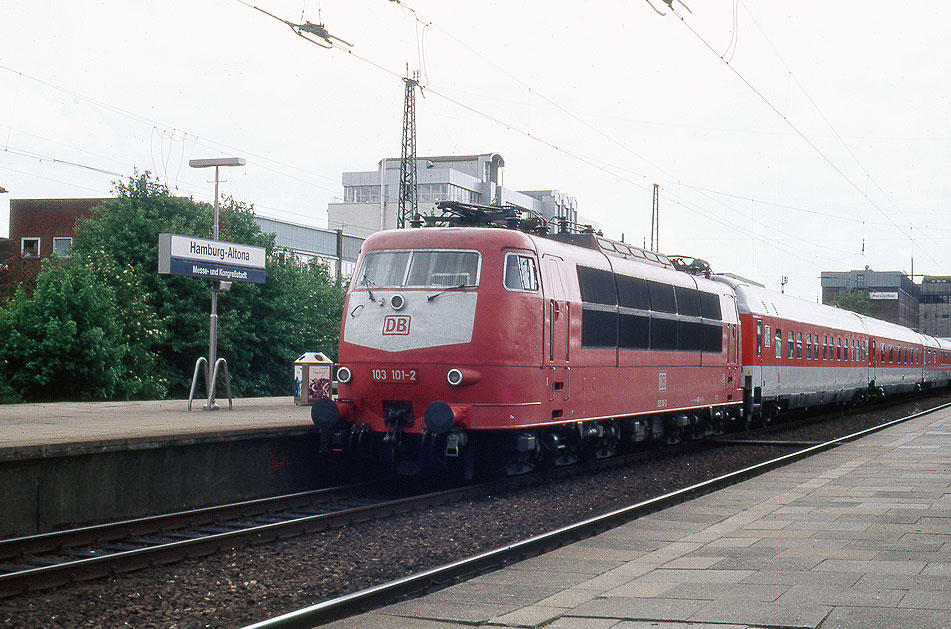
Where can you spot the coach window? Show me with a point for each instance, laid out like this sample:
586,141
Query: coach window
825,347
779,343
883,354
799,345
766,337
838,348
520,273
808,346
815,348
759,338
891,354
791,344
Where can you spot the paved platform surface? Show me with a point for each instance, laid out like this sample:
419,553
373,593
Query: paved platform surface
859,536
30,430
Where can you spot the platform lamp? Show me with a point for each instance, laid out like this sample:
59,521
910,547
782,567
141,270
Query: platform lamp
212,367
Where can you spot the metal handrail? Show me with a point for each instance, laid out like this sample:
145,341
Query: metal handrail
214,381
191,394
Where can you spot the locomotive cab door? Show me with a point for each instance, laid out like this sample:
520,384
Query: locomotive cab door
557,325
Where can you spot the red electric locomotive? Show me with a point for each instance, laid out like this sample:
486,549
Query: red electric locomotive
475,347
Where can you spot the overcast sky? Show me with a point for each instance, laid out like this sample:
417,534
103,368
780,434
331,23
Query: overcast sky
823,144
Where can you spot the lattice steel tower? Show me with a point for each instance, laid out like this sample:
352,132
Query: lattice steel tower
408,206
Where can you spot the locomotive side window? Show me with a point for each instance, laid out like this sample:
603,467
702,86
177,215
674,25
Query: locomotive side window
598,328
419,269
520,273
688,301
713,338
663,333
632,292
710,307
634,332
662,297
689,336
597,286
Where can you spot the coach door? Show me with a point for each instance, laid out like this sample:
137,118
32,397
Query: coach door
557,317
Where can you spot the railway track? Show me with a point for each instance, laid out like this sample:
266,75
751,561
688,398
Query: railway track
49,560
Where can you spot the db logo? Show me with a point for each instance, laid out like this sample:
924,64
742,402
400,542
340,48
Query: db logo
396,324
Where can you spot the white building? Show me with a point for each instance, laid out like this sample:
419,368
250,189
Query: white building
370,198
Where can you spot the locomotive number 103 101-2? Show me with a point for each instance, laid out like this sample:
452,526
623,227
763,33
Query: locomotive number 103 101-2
395,375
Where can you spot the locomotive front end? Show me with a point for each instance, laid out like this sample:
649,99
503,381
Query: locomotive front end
418,349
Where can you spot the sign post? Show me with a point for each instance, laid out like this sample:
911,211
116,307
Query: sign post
212,364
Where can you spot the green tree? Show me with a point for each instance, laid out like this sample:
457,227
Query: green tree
158,324
855,300
65,341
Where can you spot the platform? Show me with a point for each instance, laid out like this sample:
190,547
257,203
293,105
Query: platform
859,536
69,463
28,430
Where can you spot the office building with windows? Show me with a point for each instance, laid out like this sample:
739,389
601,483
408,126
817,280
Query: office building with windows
371,198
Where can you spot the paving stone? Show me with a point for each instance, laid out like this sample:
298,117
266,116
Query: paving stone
865,617
627,608
874,567
842,595
919,599
584,623
804,614
572,597
532,616
376,620
426,608
492,594
664,575
693,563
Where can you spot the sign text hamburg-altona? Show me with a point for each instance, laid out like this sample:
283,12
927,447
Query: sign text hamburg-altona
210,259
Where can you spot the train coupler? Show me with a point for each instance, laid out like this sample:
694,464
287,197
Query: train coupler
454,442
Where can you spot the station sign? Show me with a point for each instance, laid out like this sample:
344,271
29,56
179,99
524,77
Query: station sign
210,259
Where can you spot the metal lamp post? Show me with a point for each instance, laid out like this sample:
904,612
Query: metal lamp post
211,367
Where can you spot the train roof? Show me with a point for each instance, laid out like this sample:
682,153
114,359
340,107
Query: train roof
756,300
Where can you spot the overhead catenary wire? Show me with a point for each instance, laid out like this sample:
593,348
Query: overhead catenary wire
801,134
515,129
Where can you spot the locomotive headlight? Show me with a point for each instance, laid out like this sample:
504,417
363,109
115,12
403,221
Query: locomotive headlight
344,375
462,377
397,302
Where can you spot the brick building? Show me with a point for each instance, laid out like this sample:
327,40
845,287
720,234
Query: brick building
38,227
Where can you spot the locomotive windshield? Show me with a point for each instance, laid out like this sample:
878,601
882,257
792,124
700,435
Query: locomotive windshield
419,269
